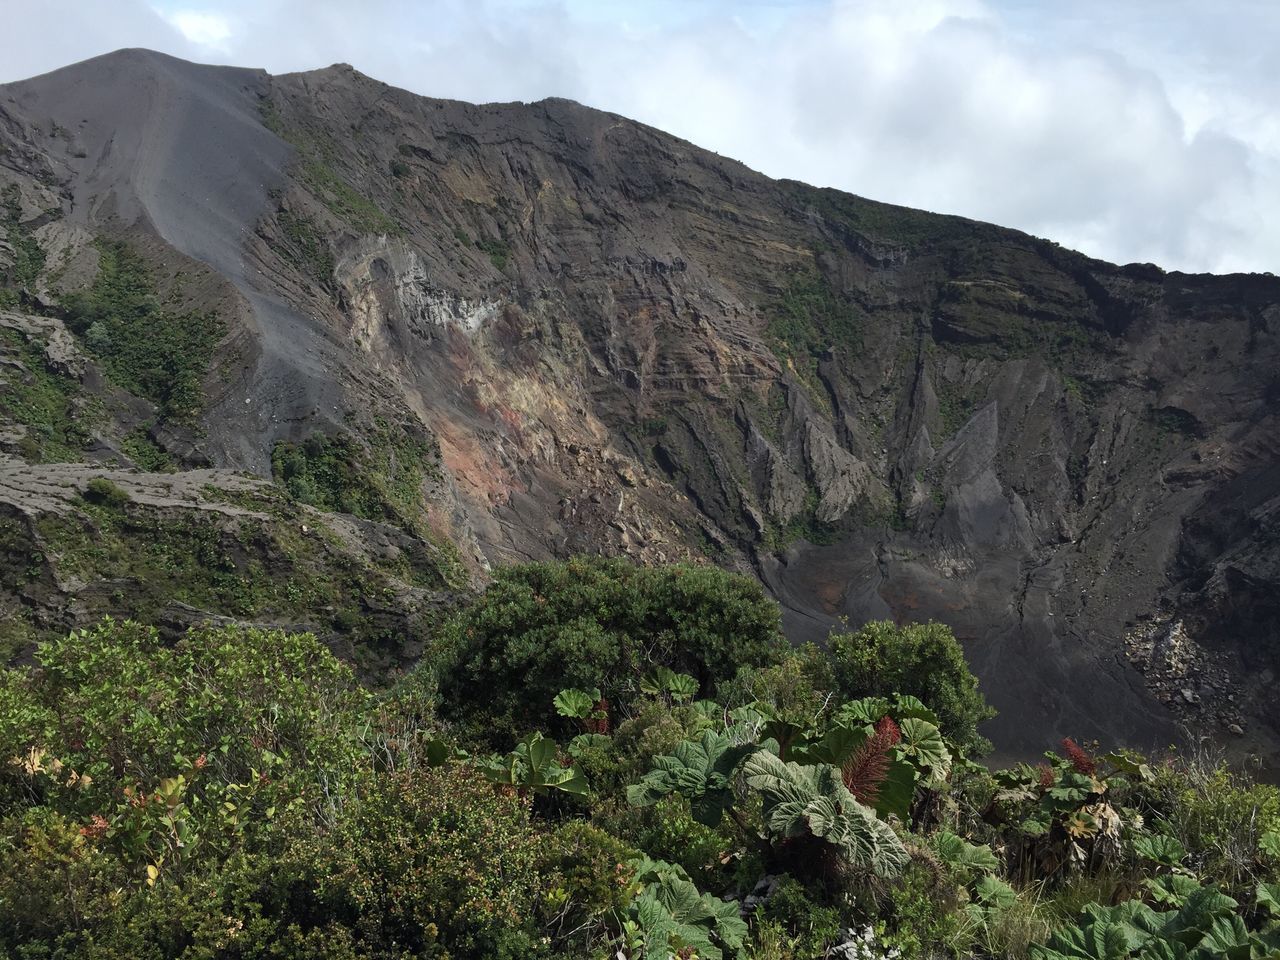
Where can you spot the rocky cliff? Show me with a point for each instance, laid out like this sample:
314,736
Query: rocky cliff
545,329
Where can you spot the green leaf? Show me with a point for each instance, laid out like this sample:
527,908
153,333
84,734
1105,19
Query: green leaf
584,743
701,771
922,742
531,765
868,710
1203,906
1159,849
1171,889
1226,939
1268,898
1100,940
799,800
1163,950
1269,843
575,703
438,752
964,857
906,706
995,893
836,746
682,687
1123,761
893,797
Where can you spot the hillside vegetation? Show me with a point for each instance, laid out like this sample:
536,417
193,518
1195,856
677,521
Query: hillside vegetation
593,760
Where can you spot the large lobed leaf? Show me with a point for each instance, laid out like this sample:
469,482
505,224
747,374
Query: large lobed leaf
813,800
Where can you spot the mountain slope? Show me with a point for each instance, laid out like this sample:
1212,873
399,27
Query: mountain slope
611,341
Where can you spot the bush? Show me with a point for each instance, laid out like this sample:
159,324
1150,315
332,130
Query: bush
429,862
145,347
1220,818
920,660
605,623
102,491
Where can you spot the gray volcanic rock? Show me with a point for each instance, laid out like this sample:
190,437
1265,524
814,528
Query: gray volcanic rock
625,344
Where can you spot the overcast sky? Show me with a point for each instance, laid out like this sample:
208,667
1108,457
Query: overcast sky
1134,130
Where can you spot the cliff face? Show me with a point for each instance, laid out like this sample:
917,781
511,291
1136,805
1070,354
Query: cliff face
621,343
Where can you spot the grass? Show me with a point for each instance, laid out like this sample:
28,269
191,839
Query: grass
145,347
378,478
50,406
317,170
308,250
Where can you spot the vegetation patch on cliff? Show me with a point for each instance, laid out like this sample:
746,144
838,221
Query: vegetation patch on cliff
151,348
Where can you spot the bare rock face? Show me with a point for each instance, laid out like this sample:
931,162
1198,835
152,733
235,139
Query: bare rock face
621,343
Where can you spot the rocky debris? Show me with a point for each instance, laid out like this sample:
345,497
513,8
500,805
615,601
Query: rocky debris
1196,683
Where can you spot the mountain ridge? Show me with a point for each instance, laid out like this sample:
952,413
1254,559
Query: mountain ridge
621,343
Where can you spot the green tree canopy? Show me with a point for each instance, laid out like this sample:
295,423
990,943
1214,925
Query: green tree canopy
921,660
605,623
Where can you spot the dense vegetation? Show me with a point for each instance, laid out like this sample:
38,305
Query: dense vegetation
150,348
19,271
238,794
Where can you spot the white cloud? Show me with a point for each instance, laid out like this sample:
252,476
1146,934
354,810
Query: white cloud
1139,131
205,29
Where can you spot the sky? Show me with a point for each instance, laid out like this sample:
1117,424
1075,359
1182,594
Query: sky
1133,130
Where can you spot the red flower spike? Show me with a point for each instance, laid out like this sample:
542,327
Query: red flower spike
1047,776
865,772
1083,763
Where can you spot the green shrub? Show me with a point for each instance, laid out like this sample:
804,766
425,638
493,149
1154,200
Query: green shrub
921,660
102,491
146,347
1220,817
429,862
802,913
795,691
605,623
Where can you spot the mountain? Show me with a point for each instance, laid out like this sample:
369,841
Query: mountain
462,336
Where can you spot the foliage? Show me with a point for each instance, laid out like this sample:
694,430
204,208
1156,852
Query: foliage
669,916
49,404
102,491
699,771
233,792
809,318
28,259
379,475
801,802
377,480
532,766
497,251
922,660
596,623
147,346
1206,927
146,453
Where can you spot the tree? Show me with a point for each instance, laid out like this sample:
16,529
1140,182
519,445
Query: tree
921,660
595,623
